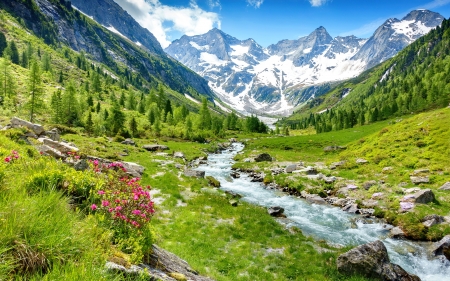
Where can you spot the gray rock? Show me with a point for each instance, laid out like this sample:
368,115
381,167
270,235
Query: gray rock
387,169
263,157
396,232
234,202
128,142
377,195
117,268
370,203
334,165
47,150
371,260
276,211
367,212
155,147
53,134
312,171
178,154
419,180
60,146
430,220
442,247
133,169
81,165
233,194
445,186
329,180
351,208
333,148
235,175
315,199
369,184
424,196
194,173
421,171
291,168
36,128
361,161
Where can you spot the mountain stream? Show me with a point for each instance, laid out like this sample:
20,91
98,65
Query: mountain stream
324,221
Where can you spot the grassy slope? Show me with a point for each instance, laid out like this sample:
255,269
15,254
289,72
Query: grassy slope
414,142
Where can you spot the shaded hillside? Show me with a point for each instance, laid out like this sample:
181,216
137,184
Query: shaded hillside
417,79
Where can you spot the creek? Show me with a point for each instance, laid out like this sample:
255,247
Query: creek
326,222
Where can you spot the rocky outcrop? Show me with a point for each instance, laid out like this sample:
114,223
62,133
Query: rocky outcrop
194,173
276,211
371,260
35,128
396,232
423,196
419,180
128,142
442,247
430,220
155,147
445,186
263,157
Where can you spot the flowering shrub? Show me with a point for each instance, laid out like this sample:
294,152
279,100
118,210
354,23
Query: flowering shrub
14,156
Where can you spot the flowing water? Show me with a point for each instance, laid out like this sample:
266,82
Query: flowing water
326,222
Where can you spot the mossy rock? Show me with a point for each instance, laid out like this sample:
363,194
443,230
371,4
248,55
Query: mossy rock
212,181
178,276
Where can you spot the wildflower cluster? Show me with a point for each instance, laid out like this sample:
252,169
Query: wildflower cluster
14,156
123,198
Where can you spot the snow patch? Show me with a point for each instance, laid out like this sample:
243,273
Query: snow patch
239,50
307,50
191,98
198,47
138,43
211,59
222,107
91,17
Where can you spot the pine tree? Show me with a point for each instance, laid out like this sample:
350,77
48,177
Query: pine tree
46,63
70,105
36,102
14,53
133,127
98,107
7,83
89,124
3,43
56,103
205,116
24,62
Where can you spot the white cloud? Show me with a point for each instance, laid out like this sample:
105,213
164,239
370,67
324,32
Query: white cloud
214,4
156,17
255,3
436,4
317,3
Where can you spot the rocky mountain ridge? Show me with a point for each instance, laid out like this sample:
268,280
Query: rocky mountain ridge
275,80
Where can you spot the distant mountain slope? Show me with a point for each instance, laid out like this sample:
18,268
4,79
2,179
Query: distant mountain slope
287,74
415,80
109,14
64,24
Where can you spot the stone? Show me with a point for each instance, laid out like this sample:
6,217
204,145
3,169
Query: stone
60,146
369,184
372,260
329,180
53,134
367,212
194,173
128,142
81,165
351,208
311,171
212,181
234,202
430,220
130,167
334,165
387,169
396,232
377,195
263,157
36,128
47,150
315,199
235,175
291,168
421,171
445,186
178,276
276,211
442,247
406,206
424,196
352,186
155,147
178,154
117,268
370,203
233,194
419,180
361,161
333,148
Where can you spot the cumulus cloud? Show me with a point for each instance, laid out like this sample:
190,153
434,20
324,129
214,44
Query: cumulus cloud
317,3
255,3
162,19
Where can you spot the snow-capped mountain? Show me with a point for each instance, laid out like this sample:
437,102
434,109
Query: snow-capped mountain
276,79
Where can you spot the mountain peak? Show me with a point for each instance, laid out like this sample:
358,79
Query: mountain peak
430,18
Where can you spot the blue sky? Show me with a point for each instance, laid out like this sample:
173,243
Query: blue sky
269,21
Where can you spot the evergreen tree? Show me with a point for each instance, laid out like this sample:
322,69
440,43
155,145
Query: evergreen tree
7,83
14,53
131,101
46,63
117,119
35,89
89,124
98,107
205,116
3,43
133,127
24,62
56,104
70,105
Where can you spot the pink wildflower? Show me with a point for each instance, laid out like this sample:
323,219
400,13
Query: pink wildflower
136,212
105,203
93,207
101,192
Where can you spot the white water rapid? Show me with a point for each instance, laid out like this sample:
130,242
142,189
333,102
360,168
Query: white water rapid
326,222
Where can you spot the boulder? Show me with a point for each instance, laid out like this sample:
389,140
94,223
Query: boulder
276,211
313,198
329,180
396,232
233,194
406,206
377,195
212,181
369,184
312,171
155,147
36,128
445,186
47,150
351,208
81,165
60,146
430,220
263,157
387,169
361,161
128,142
194,173
53,134
333,148
130,166
367,212
178,154
442,247
291,168
235,175
234,202
370,203
371,260
424,196
421,171
419,180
